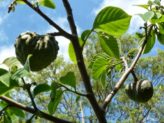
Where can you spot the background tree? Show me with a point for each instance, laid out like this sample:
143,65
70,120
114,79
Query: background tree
91,87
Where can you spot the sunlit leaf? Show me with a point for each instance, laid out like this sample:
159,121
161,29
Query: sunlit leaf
47,3
109,45
100,65
71,51
112,20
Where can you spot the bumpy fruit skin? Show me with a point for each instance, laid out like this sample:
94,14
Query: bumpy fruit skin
44,49
141,91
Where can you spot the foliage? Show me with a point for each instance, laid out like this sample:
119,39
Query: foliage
103,58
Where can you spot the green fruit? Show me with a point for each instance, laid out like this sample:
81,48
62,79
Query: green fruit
141,91
44,49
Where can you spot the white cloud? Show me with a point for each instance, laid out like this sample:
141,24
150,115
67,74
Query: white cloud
6,52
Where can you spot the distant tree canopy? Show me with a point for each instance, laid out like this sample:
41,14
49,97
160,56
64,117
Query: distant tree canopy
35,86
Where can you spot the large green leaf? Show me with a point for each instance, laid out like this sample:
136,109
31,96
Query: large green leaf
41,88
47,3
56,97
100,65
109,45
69,79
150,42
112,20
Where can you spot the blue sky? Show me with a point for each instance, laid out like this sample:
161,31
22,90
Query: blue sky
24,19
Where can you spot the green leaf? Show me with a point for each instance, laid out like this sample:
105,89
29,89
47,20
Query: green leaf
47,3
160,38
55,100
112,20
150,42
100,65
20,73
85,34
41,88
161,28
18,112
7,119
69,79
147,16
5,79
4,88
11,61
20,2
71,51
109,45
3,71
145,6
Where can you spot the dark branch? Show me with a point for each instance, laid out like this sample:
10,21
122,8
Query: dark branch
80,62
32,110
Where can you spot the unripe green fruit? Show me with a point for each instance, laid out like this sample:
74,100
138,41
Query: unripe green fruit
141,91
44,49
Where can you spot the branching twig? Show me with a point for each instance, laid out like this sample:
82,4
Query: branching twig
76,92
32,110
128,71
28,88
51,22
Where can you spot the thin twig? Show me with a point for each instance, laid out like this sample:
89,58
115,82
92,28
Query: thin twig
51,22
141,121
28,88
127,72
76,92
32,110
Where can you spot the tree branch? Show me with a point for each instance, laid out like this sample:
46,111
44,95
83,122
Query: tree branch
100,113
51,22
128,71
32,110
